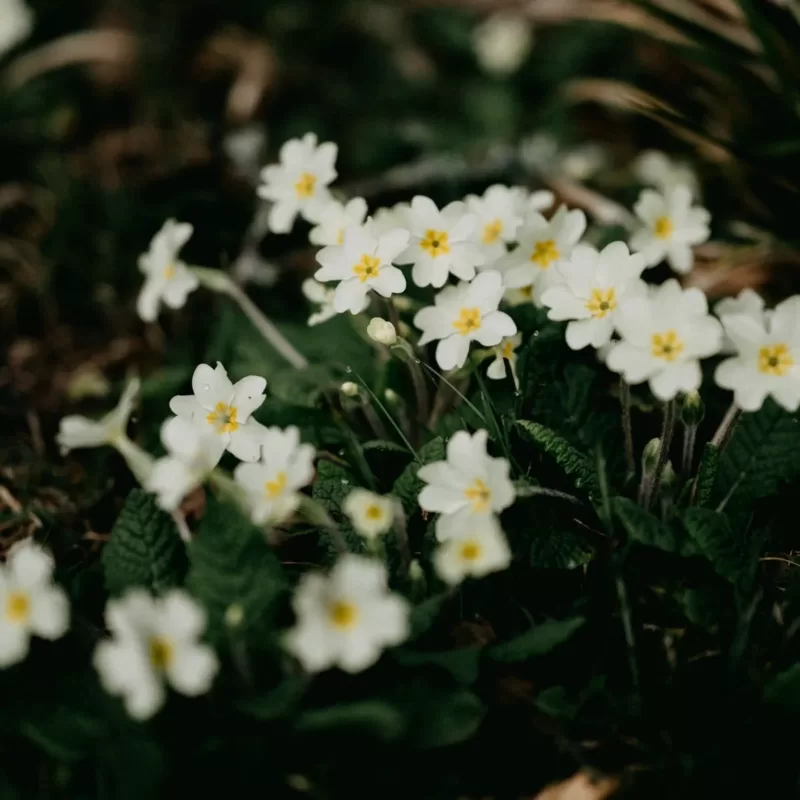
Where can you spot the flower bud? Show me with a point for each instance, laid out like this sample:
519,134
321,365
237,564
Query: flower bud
381,331
349,389
668,478
650,456
692,409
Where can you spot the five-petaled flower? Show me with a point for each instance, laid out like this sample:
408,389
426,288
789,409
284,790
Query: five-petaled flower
498,216
476,548
370,513
346,618
30,603
273,484
767,360
664,336
167,278
154,641
463,314
299,183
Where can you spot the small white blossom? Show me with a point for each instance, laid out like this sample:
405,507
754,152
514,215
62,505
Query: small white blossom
767,360
370,513
298,184
505,351
16,23
363,263
595,286
526,201
76,431
30,603
273,484
322,296
346,618
222,409
441,243
335,217
154,641
476,549
167,278
664,336
349,389
502,42
672,227
468,483
387,219
542,247
381,331
463,314
657,169
747,302
498,216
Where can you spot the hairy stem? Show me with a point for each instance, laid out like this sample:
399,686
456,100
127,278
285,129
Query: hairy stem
723,433
625,402
667,431
689,438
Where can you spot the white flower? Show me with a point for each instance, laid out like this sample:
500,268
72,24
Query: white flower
363,263
349,389
321,295
370,514
222,409
299,183
525,201
542,246
655,168
272,485
767,362
16,23
154,641
441,243
505,351
502,42
347,618
664,336
381,331
672,226
595,286
463,314
191,456
335,217
167,278
30,603
498,213
747,302
76,431
468,483
475,550
387,219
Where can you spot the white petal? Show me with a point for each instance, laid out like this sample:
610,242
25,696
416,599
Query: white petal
76,432
30,565
245,443
149,298
564,305
497,369
180,616
49,612
14,643
680,258
422,215
635,363
282,216
581,333
351,295
390,281
193,669
391,244
452,352
494,328
211,386
248,395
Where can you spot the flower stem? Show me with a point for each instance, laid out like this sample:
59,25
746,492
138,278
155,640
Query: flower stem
667,431
625,401
723,433
689,438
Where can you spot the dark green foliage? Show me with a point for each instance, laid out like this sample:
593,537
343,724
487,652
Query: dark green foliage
408,486
332,485
538,641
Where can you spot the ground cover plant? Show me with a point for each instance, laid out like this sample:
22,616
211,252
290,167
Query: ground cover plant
404,424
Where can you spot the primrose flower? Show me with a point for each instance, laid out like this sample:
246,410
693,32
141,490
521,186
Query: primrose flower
505,351
222,409
498,219
370,513
672,226
154,641
335,217
30,603
478,548
298,184
441,242
167,279
526,201
664,336
346,618
273,484
463,314
16,23
502,42
657,169
322,296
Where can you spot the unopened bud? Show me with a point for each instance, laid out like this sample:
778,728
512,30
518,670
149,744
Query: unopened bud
234,615
382,331
349,389
650,456
692,409
391,396
668,478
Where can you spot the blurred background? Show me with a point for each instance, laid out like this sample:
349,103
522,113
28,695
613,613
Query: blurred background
117,114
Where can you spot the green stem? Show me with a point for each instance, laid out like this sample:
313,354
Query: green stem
667,431
625,402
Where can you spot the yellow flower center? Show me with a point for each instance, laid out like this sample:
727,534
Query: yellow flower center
367,268
545,253
470,551
601,302
223,418
492,231
437,243
663,227
161,652
527,291
343,615
469,320
479,495
169,272
275,487
305,186
775,359
667,345
374,512
18,607
508,350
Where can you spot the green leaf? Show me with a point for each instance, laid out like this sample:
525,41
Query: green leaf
276,702
144,549
707,474
368,717
408,486
761,455
461,664
558,549
784,689
537,641
425,614
232,565
642,527
332,485
446,718
574,463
